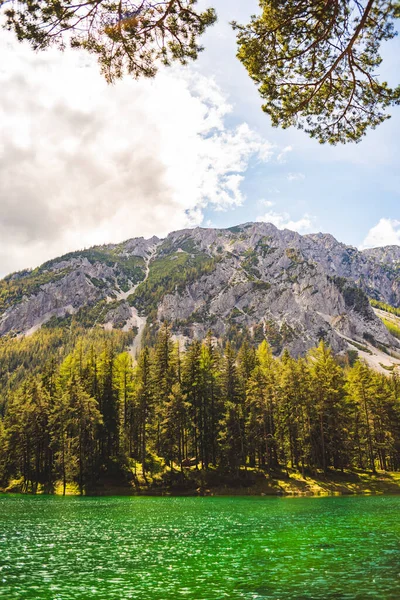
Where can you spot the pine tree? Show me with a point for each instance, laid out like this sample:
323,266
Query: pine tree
175,427
257,426
327,388
210,399
163,376
123,374
233,423
361,389
267,365
27,439
144,403
289,422
191,384
230,439
108,404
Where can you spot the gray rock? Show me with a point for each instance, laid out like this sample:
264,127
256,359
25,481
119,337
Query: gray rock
292,289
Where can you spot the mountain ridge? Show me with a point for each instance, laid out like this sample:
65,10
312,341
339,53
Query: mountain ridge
251,280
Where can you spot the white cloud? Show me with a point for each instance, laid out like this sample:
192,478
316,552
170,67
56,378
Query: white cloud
284,221
282,156
295,177
267,203
385,233
83,163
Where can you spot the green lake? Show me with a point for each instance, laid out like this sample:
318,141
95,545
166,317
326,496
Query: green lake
199,548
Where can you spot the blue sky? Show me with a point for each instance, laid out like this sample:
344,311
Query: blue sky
84,163
347,189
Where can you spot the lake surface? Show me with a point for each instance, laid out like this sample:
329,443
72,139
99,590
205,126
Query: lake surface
199,548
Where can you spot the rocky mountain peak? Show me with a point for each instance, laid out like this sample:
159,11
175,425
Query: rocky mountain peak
252,280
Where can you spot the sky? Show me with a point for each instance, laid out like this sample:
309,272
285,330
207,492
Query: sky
84,163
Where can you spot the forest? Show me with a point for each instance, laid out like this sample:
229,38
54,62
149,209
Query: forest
79,407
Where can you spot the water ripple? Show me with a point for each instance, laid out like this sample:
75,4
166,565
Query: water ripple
199,548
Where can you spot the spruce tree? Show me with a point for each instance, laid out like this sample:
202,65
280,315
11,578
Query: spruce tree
327,389
144,403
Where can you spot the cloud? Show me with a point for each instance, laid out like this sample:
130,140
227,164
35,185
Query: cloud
282,156
385,233
83,163
295,176
284,221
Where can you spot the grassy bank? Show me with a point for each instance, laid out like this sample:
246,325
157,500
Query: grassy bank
249,482
255,482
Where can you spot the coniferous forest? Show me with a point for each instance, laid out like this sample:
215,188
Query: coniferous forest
76,407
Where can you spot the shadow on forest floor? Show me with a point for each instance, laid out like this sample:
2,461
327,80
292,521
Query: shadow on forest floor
244,482
255,482
336,482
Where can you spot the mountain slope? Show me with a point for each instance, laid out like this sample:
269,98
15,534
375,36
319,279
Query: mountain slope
251,280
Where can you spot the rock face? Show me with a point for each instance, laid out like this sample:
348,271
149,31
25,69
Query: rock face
251,279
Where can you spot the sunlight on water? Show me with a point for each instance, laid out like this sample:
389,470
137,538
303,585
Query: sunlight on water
199,548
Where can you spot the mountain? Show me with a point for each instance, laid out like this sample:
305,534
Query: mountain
252,280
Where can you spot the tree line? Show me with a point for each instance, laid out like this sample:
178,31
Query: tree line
207,407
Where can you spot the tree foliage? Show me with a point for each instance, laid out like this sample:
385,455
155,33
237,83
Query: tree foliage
127,37
316,63
91,415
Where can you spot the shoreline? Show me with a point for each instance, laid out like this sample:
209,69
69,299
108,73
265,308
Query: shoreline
194,483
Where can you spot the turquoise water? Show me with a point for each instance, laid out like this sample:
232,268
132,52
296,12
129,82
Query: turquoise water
199,548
